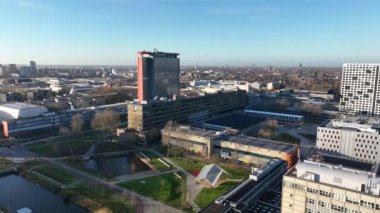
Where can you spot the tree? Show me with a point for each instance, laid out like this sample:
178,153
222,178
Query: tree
313,109
77,123
283,103
105,122
64,130
271,124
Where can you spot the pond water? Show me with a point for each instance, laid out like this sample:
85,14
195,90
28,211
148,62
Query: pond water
116,166
17,192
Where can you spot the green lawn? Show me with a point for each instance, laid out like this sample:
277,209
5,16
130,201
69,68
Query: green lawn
208,195
85,194
70,145
188,165
166,188
286,138
155,162
236,172
56,174
5,162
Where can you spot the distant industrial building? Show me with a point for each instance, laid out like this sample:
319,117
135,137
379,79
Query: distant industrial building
251,150
154,115
11,97
360,89
351,136
282,118
325,183
157,75
255,194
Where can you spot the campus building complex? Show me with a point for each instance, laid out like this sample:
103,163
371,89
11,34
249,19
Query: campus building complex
155,114
250,150
157,75
324,183
360,92
351,136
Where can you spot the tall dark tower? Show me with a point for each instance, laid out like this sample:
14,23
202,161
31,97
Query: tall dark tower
157,75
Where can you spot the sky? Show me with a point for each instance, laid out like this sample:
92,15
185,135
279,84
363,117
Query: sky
204,32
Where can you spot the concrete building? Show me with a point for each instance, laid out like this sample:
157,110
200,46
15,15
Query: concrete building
154,115
351,136
360,89
325,183
157,75
33,67
249,150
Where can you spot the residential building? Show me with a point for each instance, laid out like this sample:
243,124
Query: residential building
360,92
325,183
157,75
354,137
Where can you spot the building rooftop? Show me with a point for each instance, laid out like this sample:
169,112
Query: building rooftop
339,172
20,105
261,143
370,125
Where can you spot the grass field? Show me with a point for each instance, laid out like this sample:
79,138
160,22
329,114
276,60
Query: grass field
166,188
64,146
188,165
154,160
56,174
5,162
208,195
87,195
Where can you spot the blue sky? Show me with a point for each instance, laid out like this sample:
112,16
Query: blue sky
207,32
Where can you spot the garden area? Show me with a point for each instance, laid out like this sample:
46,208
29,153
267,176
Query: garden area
208,195
167,188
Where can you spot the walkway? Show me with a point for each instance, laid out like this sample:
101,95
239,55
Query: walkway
142,203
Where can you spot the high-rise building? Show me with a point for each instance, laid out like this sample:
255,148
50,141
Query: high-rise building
360,92
13,68
351,136
33,67
1,70
325,183
158,75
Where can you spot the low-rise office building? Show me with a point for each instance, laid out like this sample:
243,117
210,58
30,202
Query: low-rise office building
245,149
351,136
325,183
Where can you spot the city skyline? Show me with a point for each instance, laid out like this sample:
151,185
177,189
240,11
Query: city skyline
109,32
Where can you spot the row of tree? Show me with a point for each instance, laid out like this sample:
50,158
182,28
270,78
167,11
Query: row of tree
105,122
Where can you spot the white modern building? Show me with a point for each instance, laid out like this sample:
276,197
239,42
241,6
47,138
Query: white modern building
354,137
18,110
325,183
360,92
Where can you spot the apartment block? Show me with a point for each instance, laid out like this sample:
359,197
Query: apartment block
360,89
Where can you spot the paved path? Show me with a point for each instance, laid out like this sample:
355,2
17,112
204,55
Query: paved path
142,204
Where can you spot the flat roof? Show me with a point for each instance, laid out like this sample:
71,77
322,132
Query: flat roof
261,143
273,113
19,105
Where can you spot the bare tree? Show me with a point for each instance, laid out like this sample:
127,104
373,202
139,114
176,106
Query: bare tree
271,124
105,122
64,130
167,139
312,108
77,123
283,103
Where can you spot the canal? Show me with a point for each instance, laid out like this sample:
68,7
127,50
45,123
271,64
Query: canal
17,192
116,166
